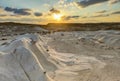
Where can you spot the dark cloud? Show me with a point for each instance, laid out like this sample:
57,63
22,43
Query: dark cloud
22,11
117,12
96,15
114,1
103,11
9,9
2,15
38,14
70,17
86,3
54,11
101,15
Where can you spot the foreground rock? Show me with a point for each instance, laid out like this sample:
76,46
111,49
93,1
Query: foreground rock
62,56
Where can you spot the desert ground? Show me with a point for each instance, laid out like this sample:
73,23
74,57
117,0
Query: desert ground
59,56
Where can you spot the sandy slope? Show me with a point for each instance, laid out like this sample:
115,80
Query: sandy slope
62,56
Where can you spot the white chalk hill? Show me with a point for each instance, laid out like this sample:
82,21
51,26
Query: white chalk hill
30,58
19,62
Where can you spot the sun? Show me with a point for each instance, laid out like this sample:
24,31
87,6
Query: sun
57,16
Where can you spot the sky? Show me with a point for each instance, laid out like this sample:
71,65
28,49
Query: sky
59,11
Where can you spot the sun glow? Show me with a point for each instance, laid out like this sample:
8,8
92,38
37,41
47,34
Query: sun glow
57,16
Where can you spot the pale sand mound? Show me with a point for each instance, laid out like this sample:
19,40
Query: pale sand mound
74,56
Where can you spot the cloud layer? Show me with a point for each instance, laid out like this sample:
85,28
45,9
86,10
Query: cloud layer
70,17
22,11
102,11
53,10
114,1
38,14
116,12
86,3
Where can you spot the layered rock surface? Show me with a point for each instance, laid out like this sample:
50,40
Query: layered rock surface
62,56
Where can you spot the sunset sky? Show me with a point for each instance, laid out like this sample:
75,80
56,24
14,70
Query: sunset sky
59,11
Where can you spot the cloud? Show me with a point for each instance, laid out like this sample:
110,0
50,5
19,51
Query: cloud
22,11
66,3
101,15
86,3
70,17
103,11
3,15
113,1
9,9
38,14
116,12
53,10
97,14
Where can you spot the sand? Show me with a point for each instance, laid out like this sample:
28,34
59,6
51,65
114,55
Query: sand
62,56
